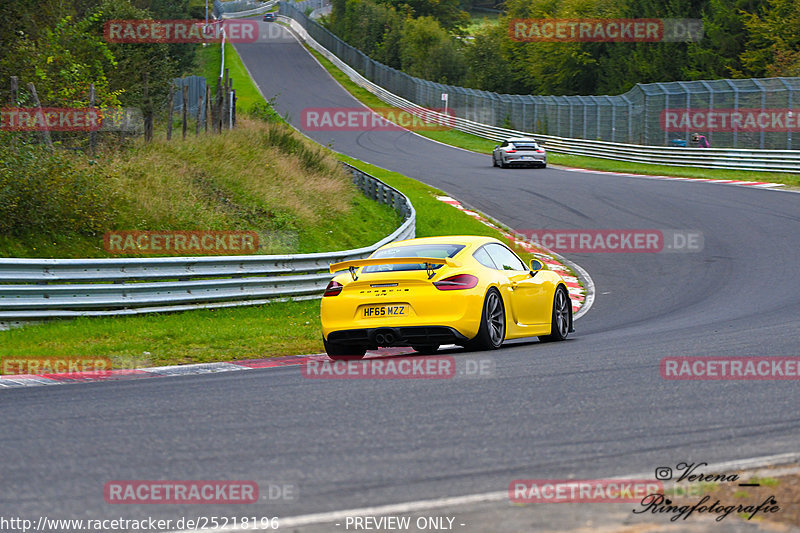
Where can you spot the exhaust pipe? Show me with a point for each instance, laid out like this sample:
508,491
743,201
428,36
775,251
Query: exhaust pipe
386,336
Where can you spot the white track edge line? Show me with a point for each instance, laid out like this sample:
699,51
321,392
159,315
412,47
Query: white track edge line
421,505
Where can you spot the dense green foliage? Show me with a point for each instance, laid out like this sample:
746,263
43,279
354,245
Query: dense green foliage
60,47
261,176
43,192
742,38
412,37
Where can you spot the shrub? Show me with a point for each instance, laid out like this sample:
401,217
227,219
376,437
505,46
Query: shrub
43,193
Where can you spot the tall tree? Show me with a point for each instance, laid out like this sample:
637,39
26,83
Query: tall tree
64,61
773,48
429,52
447,12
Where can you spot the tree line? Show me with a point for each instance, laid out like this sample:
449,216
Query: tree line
60,47
428,39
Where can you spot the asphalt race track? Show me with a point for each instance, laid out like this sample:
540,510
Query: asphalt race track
592,407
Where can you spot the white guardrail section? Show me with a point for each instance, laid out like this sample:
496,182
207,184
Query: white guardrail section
257,11
35,289
733,159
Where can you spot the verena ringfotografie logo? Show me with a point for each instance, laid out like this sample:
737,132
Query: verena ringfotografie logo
180,492
181,242
582,491
730,368
606,30
616,241
54,365
379,119
180,31
694,481
742,119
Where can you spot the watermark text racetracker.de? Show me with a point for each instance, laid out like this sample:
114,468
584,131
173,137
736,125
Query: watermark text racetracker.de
730,368
181,242
180,492
581,490
179,31
417,367
134,31
728,120
198,492
616,241
605,30
62,365
86,119
376,119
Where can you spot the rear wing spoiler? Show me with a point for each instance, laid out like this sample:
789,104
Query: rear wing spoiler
355,264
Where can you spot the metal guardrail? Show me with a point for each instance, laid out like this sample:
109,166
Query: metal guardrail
257,11
724,158
35,289
651,114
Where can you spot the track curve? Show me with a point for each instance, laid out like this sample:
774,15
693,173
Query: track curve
594,406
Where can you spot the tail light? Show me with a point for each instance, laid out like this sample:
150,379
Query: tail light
540,150
457,282
333,289
511,151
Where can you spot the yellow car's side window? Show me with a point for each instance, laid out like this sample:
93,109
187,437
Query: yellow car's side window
504,258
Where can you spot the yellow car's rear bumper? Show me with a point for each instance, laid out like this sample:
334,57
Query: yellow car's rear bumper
371,338
428,307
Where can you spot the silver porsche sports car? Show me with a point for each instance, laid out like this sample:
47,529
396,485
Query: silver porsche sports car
519,151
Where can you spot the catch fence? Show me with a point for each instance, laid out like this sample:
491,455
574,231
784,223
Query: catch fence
732,113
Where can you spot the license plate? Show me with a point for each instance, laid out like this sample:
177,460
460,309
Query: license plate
384,311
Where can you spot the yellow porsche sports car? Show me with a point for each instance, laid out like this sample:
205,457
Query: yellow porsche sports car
466,290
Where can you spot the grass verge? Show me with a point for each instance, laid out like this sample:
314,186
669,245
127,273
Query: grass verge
247,93
201,336
208,63
261,177
282,328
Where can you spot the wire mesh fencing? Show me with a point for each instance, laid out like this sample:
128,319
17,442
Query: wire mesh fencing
196,96
730,113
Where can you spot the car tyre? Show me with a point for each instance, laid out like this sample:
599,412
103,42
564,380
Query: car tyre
428,349
492,331
494,161
338,352
562,317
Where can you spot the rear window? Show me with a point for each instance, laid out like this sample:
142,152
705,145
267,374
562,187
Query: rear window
438,251
526,146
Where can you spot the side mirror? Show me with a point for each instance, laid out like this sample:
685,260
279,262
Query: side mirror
496,147
536,265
